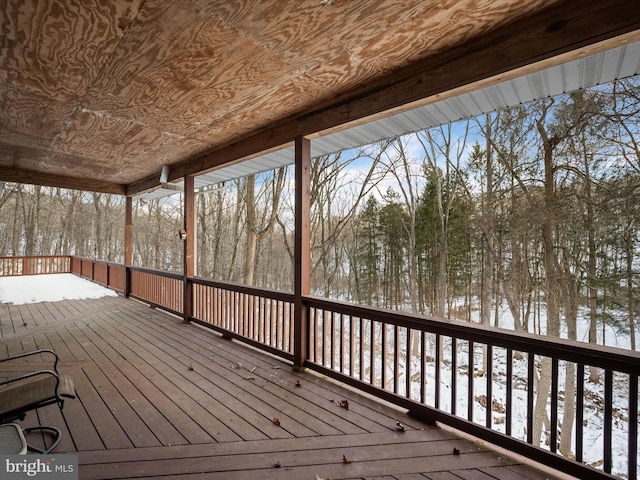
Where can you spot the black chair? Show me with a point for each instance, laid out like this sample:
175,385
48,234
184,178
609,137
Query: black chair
32,390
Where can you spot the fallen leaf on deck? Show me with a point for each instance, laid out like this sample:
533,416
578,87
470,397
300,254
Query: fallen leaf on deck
190,367
345,459
249,378
276,422
253,369
344,404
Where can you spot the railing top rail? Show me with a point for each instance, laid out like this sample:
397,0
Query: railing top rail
241,288
160,273
88,259
625,361
8,257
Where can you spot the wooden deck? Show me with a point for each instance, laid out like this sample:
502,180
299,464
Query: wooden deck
158,398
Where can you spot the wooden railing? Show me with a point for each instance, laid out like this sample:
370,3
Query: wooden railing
108,274
482,381
13,266
443,370
161,289
260,317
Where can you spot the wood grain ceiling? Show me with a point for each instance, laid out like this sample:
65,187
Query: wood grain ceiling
100,95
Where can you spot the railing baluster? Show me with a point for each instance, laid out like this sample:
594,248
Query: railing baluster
632,448
579,412
227,312
265,324
341,343
554,405
509,393
372,353
437,372
265,308
383,357
608,419
530,392
316,339
454,374
396,358
231,303
278,324
255,312
342,340
471,373
423,366
333,340
408,359
326,338
489,377
244,320
362,343
351,345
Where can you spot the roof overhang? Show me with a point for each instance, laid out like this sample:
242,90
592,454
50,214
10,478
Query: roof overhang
597,69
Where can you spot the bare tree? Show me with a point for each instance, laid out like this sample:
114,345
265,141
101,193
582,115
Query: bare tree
258,226
443,154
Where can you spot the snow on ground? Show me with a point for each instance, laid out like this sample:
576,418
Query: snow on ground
49,288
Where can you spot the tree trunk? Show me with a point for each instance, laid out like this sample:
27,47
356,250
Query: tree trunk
252,236
594,375
570,294
629,235
553,281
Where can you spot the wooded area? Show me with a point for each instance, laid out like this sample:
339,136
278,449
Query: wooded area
535,206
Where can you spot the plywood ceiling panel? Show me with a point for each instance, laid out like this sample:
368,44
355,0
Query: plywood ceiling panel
178,76
57,48
111,91
31,120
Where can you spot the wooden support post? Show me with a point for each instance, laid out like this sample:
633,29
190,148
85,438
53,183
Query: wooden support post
189,246
128,244
302,253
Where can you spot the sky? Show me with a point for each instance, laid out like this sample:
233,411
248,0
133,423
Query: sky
49,288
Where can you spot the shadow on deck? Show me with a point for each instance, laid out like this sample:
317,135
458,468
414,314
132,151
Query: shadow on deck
158,398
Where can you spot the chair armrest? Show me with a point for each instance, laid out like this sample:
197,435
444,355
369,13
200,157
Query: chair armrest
36,352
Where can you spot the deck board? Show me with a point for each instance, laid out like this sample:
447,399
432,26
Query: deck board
158,398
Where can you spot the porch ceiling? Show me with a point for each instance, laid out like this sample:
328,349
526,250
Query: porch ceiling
100,97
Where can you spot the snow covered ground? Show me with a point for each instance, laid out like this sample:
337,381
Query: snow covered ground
49,288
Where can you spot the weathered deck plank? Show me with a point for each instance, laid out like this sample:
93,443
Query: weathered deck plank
158,398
